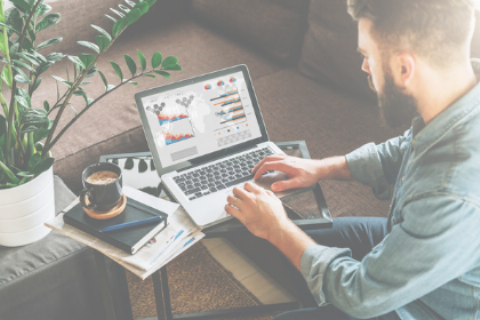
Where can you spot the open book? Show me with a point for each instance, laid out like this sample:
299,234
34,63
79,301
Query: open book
179,235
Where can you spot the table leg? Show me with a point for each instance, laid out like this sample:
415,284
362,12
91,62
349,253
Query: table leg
104,286
157,288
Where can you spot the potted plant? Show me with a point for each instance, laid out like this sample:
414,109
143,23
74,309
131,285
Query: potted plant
26,175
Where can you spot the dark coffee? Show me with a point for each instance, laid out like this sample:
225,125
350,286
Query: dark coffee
102,177
102,186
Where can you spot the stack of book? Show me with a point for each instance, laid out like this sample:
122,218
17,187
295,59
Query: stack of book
142,249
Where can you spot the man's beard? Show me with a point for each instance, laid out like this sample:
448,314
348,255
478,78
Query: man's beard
397,109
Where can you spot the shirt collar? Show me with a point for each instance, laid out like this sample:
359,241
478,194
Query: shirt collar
425,136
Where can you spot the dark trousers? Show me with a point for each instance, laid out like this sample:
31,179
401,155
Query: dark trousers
360,234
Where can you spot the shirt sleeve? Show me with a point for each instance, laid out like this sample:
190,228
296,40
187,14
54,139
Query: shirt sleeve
418,256
377,166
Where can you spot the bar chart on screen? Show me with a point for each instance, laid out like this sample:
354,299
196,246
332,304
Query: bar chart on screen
178,131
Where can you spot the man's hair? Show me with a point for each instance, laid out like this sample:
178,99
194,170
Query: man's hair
438,30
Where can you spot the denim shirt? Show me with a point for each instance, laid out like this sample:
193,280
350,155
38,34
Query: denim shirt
428,266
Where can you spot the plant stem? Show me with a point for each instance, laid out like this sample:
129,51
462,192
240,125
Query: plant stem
4,39
13,102
48,144
90,105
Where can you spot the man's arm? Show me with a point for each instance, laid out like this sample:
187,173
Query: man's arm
418,256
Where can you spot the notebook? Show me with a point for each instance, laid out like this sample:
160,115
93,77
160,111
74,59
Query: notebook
129,240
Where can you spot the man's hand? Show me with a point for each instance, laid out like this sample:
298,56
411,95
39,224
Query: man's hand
258,209
302,173
264,216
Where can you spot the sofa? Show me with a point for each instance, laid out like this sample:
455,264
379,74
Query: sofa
306,72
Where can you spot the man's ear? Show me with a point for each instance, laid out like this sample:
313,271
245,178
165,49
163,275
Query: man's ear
403,69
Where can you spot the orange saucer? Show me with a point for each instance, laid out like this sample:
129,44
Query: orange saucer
108,214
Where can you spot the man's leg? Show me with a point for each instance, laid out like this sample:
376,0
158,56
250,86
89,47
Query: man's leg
326,313
360,234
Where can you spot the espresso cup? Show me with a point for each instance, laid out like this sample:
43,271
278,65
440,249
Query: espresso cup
102,194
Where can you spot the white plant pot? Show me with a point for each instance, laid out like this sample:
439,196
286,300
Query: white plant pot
24,209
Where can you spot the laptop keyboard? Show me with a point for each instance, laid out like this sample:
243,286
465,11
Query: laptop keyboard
221,175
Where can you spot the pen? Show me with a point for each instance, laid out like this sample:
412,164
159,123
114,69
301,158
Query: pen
128,225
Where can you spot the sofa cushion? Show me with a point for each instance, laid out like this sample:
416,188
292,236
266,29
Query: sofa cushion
332,123
274,27
113,124
330,48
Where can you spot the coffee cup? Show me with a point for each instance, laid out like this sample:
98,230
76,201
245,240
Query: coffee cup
102,186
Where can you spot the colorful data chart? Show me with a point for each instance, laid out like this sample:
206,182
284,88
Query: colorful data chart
164,118
208,86
173,138
232,79
220,83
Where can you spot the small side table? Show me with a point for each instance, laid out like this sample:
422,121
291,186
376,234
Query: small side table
307,208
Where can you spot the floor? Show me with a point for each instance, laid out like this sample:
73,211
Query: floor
246,272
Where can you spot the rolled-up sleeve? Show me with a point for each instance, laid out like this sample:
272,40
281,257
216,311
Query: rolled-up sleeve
377,166
418,256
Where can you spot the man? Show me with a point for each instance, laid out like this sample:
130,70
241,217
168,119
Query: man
424,261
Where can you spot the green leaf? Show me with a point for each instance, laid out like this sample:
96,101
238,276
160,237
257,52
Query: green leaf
110,87
104,80
22,64
87,59
149,75
169,62
119,26
25,174
48,21
33,120
130,3
36,84
55,57
156,60
27,44
151,2
14,20
89,45
131,64
42,9
68,83
46,105
49,43
102,31
77,61
129,164
111,18
22,5
23,93
102,41
142,6
142,166
141,59
117,69
133,16
21,73
20,79
3,127
42,68
84,83
124,8
42,133
174,68
74,110
163,73
133,82
28,58
22,101
118,13
6,77
44,166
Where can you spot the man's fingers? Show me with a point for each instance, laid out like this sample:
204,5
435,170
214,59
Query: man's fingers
270,166
234,212
285,185
252,187
275,157
240,193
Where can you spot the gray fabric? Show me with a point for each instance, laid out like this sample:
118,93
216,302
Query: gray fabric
53,278
274,27
332,123
329,50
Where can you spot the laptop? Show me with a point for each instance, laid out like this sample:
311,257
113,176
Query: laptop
206,134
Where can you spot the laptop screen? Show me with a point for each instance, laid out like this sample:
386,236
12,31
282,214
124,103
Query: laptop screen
200,118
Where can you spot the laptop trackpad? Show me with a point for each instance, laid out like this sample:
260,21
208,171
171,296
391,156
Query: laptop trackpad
266,182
